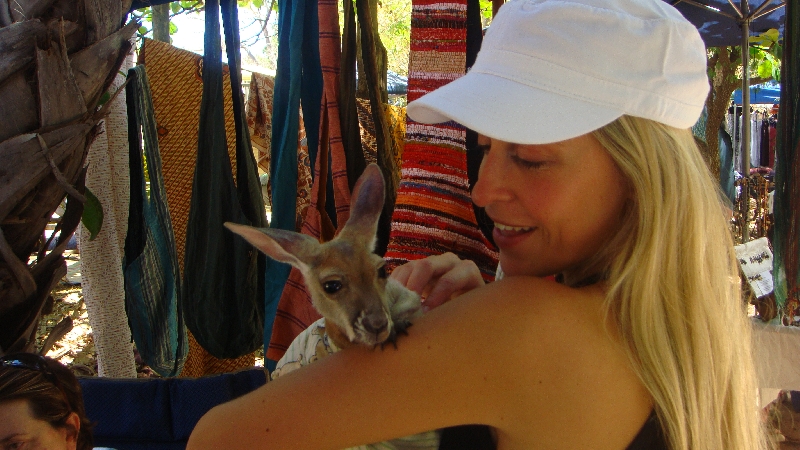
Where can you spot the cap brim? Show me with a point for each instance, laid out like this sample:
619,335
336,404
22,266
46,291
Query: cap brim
510,111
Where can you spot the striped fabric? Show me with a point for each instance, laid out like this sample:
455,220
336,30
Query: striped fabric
433,213
295,311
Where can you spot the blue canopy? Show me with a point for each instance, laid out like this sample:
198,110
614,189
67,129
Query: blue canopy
760,93
717,19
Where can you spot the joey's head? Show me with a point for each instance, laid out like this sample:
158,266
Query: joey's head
346,280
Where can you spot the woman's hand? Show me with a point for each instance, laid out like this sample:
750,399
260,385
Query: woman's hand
438,278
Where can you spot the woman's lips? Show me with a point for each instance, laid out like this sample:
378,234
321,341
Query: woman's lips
507,235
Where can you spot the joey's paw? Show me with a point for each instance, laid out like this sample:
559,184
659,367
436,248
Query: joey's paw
400,327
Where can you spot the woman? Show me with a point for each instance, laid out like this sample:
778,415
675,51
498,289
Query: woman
591,175
41,407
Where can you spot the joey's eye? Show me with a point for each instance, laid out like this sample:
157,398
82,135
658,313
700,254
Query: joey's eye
382,272
332,287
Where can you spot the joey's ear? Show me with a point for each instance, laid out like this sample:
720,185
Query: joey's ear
366,204
282,245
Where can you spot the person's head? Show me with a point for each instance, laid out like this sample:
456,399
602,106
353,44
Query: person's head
586,106
41,405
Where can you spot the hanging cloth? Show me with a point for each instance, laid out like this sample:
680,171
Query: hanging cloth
150,265
223,290
295,311
103,285
298,76
786,242
433,213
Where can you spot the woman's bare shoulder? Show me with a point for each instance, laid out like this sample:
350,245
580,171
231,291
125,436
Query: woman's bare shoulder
556,363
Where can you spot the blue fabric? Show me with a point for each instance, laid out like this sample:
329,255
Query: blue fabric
726,178
158,413
298,75
150,265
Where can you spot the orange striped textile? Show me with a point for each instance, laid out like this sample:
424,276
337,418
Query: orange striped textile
433,212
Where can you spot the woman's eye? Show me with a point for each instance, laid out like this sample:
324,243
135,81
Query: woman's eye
527,163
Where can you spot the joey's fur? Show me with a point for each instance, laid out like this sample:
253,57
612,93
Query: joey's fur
346,280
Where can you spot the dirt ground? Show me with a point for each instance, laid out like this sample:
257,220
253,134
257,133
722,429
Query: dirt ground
76,349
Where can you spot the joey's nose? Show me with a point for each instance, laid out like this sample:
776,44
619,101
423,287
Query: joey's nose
375,324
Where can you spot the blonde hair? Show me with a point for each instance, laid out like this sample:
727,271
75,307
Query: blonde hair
674,291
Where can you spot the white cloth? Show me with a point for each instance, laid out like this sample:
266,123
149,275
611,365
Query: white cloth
108,177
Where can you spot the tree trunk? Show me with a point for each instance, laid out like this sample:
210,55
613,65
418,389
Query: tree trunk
724,65
57,59
161,22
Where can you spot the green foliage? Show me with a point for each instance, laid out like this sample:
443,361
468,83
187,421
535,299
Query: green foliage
92,217
486,10
145,15
765,50
394,27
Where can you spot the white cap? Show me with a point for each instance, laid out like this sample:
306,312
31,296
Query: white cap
551,70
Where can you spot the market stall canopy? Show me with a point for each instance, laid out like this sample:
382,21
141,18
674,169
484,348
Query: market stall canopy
718,20
760,93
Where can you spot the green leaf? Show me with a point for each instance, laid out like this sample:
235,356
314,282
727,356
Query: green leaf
174,7
92,217
765,69
143,30
104,98
173,28
258,3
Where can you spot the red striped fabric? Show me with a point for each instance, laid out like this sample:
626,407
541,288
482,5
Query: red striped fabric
433,213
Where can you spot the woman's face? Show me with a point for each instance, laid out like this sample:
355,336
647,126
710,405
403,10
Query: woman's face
19,430
553,205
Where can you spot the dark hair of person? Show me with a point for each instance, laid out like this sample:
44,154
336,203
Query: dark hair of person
51,389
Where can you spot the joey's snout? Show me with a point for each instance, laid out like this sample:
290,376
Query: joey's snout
376,324
373,328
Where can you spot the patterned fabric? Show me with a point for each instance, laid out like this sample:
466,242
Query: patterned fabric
295,311
177,86
108,176
433,212
259,117
313,344
259,121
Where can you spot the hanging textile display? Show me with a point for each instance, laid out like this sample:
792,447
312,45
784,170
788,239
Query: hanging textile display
259,122
259,116
433,213
176,83
295,312
223,284
150,266
298,77
786,242
102,285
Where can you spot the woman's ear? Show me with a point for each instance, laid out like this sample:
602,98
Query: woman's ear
72,427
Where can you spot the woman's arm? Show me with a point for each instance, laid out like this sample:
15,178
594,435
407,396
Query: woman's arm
512,355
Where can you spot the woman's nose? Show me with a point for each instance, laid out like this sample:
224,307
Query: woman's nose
492,184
